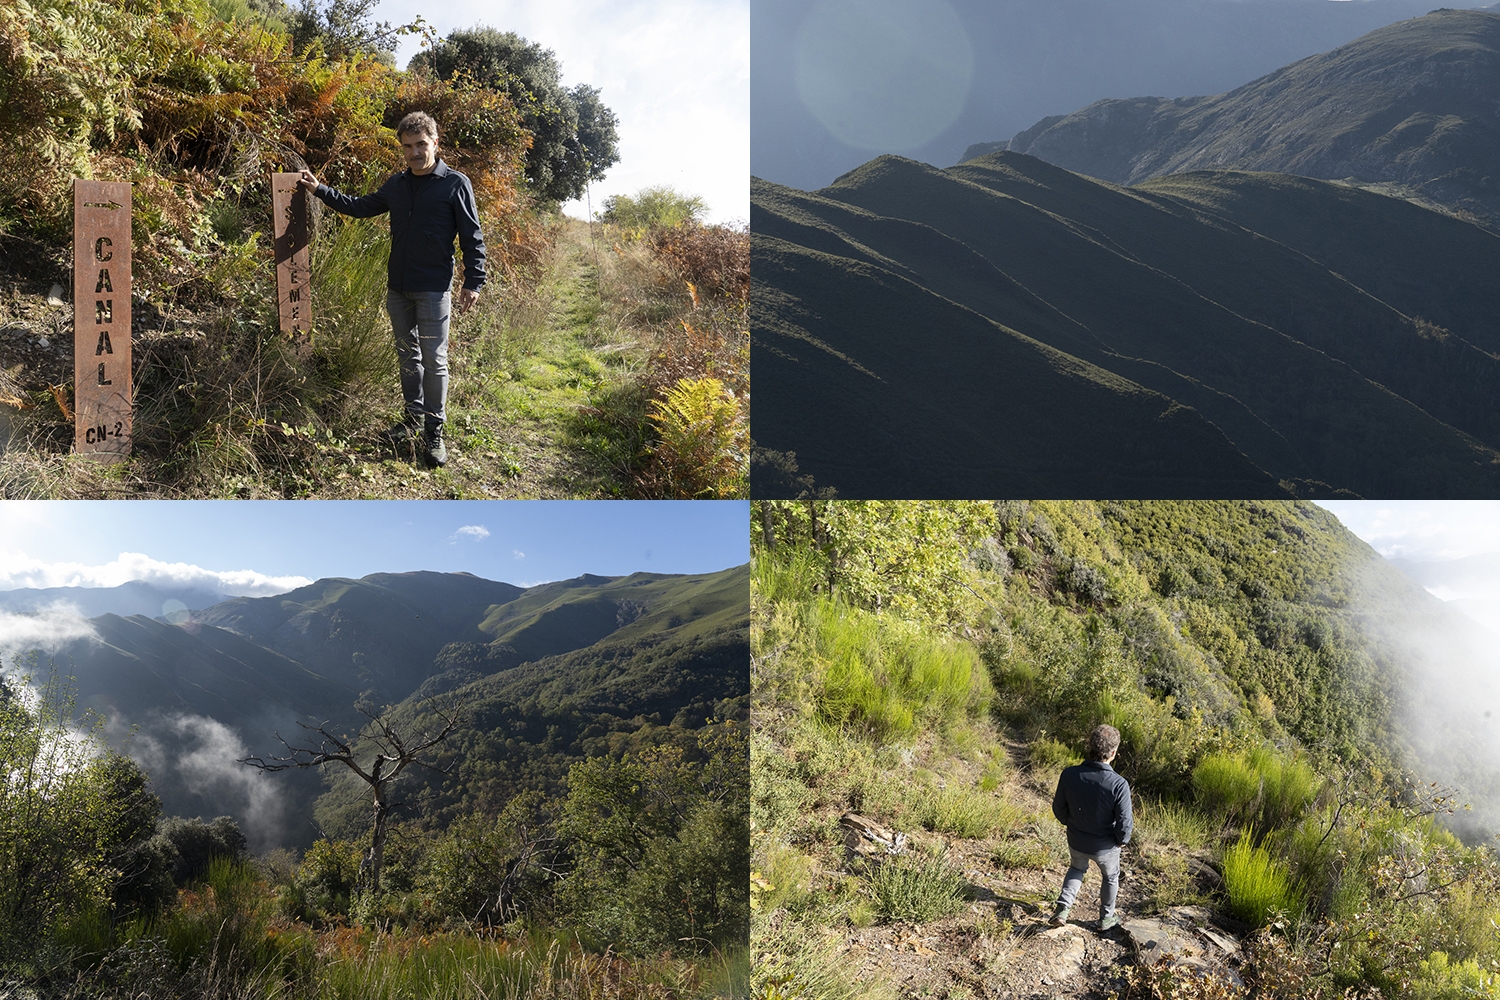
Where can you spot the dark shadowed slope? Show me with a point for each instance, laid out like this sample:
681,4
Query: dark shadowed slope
1414,105
1005,325
887,388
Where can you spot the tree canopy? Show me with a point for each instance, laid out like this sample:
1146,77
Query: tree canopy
574,134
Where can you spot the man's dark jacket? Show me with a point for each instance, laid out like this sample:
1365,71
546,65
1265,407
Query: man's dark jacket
426,213
1093,802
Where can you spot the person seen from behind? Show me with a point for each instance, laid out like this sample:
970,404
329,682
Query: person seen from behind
1093,802
429,204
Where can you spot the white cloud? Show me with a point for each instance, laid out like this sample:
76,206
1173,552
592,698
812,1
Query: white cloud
517,553
17,570
46,630
1422,530
474,532
206,754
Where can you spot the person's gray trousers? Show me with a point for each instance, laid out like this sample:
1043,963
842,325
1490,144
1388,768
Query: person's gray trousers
1109,866
420,320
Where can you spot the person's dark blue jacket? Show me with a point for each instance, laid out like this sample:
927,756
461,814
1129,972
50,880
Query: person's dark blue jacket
426,213
1093,802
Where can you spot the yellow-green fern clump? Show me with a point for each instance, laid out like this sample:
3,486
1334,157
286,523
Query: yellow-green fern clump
704,440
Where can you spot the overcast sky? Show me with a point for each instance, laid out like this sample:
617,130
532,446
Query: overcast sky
1422,530
676,72
257,547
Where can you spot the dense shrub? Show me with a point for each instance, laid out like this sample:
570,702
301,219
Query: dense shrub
1257,885
917,887
652,208
887,679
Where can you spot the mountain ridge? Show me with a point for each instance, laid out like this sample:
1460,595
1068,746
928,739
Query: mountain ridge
897,308
190,697
1410,107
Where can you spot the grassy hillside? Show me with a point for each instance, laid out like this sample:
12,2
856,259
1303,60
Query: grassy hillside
1406,106
1069,310
1251,655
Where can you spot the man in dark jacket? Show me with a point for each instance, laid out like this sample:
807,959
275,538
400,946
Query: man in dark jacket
1093,802
429,205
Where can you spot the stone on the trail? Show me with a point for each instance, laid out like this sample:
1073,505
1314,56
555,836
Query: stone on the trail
1158,939
868,839
1067,960
1184,940
54,296
1228,945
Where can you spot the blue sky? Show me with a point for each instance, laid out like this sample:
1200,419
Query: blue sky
268,546
676,72
1424,530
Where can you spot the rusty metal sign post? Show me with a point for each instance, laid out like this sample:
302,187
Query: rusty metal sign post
101,319
293,276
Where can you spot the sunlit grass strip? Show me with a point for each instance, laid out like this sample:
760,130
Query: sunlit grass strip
463,966
1258,886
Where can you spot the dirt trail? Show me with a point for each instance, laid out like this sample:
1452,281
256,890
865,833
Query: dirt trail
1003,947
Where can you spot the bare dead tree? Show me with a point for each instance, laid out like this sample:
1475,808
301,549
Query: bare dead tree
386,751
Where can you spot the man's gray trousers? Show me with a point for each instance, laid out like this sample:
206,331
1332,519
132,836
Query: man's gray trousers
420,320
1109,866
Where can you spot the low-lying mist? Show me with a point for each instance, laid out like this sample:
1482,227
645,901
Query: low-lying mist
1448,700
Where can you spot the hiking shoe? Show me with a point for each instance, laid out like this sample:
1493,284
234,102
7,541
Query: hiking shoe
437,453
397,433
1060,915
1108,923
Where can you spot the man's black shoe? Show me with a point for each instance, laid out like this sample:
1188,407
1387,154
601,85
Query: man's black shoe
437,454
404,431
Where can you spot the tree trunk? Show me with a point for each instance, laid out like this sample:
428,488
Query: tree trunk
376,854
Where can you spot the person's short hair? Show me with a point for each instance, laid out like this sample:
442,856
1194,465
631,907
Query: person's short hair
417,123
1102,743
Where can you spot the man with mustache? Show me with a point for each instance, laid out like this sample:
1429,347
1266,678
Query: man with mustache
429,205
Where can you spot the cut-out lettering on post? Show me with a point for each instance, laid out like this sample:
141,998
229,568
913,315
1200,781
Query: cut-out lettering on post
289,216
101,279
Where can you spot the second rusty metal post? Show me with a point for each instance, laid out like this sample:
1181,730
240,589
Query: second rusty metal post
293,276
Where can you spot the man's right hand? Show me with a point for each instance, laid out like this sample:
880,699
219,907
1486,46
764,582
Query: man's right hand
308,180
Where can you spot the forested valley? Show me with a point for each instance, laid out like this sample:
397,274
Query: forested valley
563,809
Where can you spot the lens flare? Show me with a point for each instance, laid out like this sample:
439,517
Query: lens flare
884,75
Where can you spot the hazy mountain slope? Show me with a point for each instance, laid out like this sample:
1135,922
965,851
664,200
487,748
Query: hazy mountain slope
1034,58
1412,104
885,389
380,632
138,667
1308,376
133,598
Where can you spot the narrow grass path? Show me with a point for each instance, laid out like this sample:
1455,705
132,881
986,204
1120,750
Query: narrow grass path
542,399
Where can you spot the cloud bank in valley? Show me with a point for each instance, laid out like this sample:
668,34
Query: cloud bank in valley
18,570
46,630
202,754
